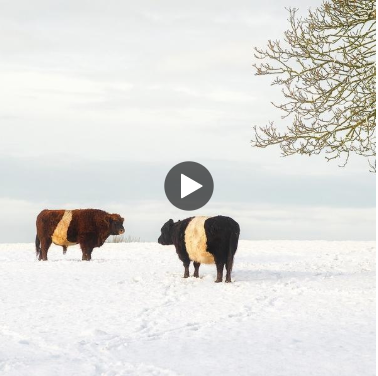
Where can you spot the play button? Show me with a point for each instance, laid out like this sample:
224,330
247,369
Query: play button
189,185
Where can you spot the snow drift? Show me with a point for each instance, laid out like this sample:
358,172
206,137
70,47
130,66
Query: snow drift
295,308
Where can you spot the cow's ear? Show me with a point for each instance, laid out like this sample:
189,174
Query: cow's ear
171,222
117,218
108,219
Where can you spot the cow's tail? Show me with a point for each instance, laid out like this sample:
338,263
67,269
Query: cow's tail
37,246
234,239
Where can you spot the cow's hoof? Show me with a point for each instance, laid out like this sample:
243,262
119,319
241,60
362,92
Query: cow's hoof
228,280
218,280
195,275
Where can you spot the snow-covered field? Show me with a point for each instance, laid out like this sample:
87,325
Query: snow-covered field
295,308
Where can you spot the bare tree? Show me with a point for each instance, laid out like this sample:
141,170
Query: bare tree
326,68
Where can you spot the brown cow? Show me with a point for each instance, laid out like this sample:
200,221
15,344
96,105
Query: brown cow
87,227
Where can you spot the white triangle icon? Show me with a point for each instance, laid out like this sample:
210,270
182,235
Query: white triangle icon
188,186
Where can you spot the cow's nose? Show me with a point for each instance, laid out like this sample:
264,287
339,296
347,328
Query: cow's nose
121,231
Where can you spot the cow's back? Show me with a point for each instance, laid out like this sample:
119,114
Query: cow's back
89,220
220,227
47,221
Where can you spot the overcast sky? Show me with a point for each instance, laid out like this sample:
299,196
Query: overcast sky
99,99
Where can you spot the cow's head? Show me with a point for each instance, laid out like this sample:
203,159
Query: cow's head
166,233
116,224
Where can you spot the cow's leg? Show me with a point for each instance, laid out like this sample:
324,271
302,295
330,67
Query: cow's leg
87,254
220,266
186,266
229,264
45,245
64,250
87,250
86,245
196,269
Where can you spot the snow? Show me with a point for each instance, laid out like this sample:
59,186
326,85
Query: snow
294,308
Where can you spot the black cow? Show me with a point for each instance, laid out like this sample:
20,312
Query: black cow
205,240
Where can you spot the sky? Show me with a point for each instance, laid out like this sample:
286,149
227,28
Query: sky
100,99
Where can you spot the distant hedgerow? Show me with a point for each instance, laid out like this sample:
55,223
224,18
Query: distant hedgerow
123,239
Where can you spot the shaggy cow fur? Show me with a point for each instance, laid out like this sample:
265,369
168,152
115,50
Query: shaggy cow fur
87,227
203,240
